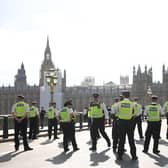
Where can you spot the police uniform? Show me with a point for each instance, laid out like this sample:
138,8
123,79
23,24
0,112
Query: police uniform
115,124
19,111
137,120
153,112
52,120
89,124
165,111
125,126
33,121
97,121
42,114
66,118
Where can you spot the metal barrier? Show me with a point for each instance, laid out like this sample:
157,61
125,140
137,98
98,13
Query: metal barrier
5,126
5,123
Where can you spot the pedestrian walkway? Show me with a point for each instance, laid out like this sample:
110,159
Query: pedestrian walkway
49,153
43,132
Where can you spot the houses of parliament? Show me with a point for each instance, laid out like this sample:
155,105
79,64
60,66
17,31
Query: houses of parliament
81,95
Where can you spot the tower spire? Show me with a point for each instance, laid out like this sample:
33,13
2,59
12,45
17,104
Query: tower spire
47,41
47,52
47,62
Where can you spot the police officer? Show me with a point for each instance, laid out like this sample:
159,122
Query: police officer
137,120
42,114
88,112
153,113
52,120
165,110
114,124
99,115
33,121
20,111
125,125
66,118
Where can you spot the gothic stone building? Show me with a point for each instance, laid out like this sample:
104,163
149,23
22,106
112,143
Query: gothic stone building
143,81
81,95
9,94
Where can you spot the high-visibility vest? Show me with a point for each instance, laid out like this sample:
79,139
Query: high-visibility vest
125,110
51,112
89,113
20,108
64,115
96,111
153,112
136,108
167,106
32,112
114,107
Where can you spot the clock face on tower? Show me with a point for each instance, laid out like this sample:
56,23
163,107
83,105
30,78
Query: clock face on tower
47,56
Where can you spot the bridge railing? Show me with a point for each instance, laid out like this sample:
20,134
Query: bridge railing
7,123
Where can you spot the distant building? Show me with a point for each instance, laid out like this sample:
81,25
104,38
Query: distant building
9,94
143,81
141,87
88,81
124,80
44,96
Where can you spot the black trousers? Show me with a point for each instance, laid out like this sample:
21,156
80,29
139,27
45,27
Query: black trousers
167,129
153,129
89,123
33,127
98,124
68,134
138,121
52,123
42,120
115,133
125,127
20,128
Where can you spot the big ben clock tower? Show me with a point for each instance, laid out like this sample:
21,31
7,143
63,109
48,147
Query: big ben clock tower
46,64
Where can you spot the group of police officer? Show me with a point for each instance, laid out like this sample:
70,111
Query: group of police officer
125,114
22,113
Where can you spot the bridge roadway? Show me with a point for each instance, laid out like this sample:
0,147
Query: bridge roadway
48,154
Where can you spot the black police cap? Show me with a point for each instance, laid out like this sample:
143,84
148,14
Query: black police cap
154,97
34,102
95,95
135,98
67,103
116,98
125,93
20,96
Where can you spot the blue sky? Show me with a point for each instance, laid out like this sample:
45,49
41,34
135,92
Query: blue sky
100,38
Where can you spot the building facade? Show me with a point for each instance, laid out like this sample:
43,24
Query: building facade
9,94
141,87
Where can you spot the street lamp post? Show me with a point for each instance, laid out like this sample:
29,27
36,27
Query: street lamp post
51,78
149,92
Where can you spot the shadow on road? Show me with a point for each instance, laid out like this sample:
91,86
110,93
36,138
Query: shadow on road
161,160
127,162
139,142
61,158
8,156
60,145
46,142
89,142
98,157
163,142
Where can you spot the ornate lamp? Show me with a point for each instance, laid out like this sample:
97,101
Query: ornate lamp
52,78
